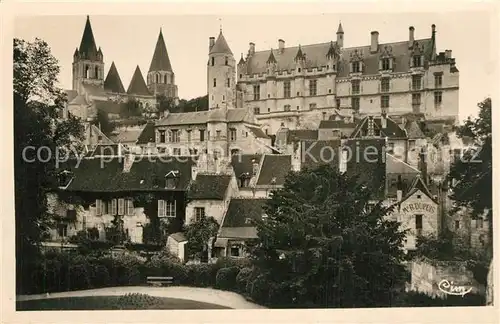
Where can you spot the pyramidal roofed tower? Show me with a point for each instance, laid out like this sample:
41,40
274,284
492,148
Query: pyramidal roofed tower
161,77
113,81
137,85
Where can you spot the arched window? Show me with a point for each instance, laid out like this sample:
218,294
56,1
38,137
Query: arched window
157,78
226,61
213,61
165,79
97,72
86,75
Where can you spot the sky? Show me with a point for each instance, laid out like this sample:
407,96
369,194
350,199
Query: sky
130,40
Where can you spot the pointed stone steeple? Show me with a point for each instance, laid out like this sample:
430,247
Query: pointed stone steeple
88,47
340,36
113,81
242,60
137,85
340,30
160,61
300,55
220,46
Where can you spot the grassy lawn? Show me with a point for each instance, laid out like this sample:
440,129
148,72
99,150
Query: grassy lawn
112,303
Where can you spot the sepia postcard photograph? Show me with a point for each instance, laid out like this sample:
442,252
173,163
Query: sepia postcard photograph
168,158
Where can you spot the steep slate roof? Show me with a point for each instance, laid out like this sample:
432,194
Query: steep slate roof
127,136
418,184
92,135
392,129
257,132
88,47
160,60
137,84
147,135
113,81
209,187
395,165
178,237
233,115
316,56
240,209
242,163
274,167
297,135
221,46
413,130
335,124
106,175
316,153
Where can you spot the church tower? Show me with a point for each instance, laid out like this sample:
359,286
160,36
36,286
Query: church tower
161,77
221,72
88,64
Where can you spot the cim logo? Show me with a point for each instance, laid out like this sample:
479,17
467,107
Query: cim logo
449,288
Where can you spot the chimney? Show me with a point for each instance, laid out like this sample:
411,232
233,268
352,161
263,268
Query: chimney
281,45
255,167
383,120
422,165
128,161
447,54
399,189
411,38
374,43
211,43
251,49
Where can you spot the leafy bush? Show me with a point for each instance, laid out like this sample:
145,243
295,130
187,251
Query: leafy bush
226,278
243,278
136,301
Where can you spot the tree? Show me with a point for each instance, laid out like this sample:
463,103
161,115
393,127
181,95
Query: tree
165,103
473,171
323,245
38,104
196,104
198,235
103,122
132,108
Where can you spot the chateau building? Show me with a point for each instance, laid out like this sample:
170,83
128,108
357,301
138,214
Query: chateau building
92,91
302,85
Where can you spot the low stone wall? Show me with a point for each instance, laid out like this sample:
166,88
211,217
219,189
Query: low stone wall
441,278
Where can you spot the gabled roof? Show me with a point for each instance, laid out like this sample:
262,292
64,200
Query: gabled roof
300,54
220,46
80,100
316,153
160,60
242,163
106,175
94,135
413,130
137,84
392,129
209,187
274,170
316,57
128,136
336,124
395,165
418,184
88,48
257,131
147,135
271,59
113,81
240,210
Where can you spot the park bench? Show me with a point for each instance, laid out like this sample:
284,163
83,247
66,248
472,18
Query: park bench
159,281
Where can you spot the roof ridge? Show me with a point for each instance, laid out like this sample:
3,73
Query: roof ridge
399,160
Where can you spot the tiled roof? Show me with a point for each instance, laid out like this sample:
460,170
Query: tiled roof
71,94
392,129
160,60
275,168
88,47
316,153
418,184
147,135
137,85
316,56
395,165
297,135
238,233
127,136
242,208
79,100
257,132
233,115
335,124
209,186
413,130
94,90
178,237
94,135
113,82
146,174
221,46
242,163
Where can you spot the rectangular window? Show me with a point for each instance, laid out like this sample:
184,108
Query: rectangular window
215,82
176,151
355,103
479,223
457,224
213,61
313,87
130,207
228,82
438,80
199,213
415,101
232,134
235,251
417,61
384,102
98,207
390,148
217,134
62,230
438,98
384,84
173,136
162,136
188,135
121,206
161,208
256,92
113,207
411,144
170,209
286,89
418,224
313,106
286,108
355,85
356,67
416,82
337,103
386,65
256,110
202,135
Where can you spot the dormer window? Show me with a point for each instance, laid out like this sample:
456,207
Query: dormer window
244,180
385,62
171,180
255,167
356,67
64,178
417,61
